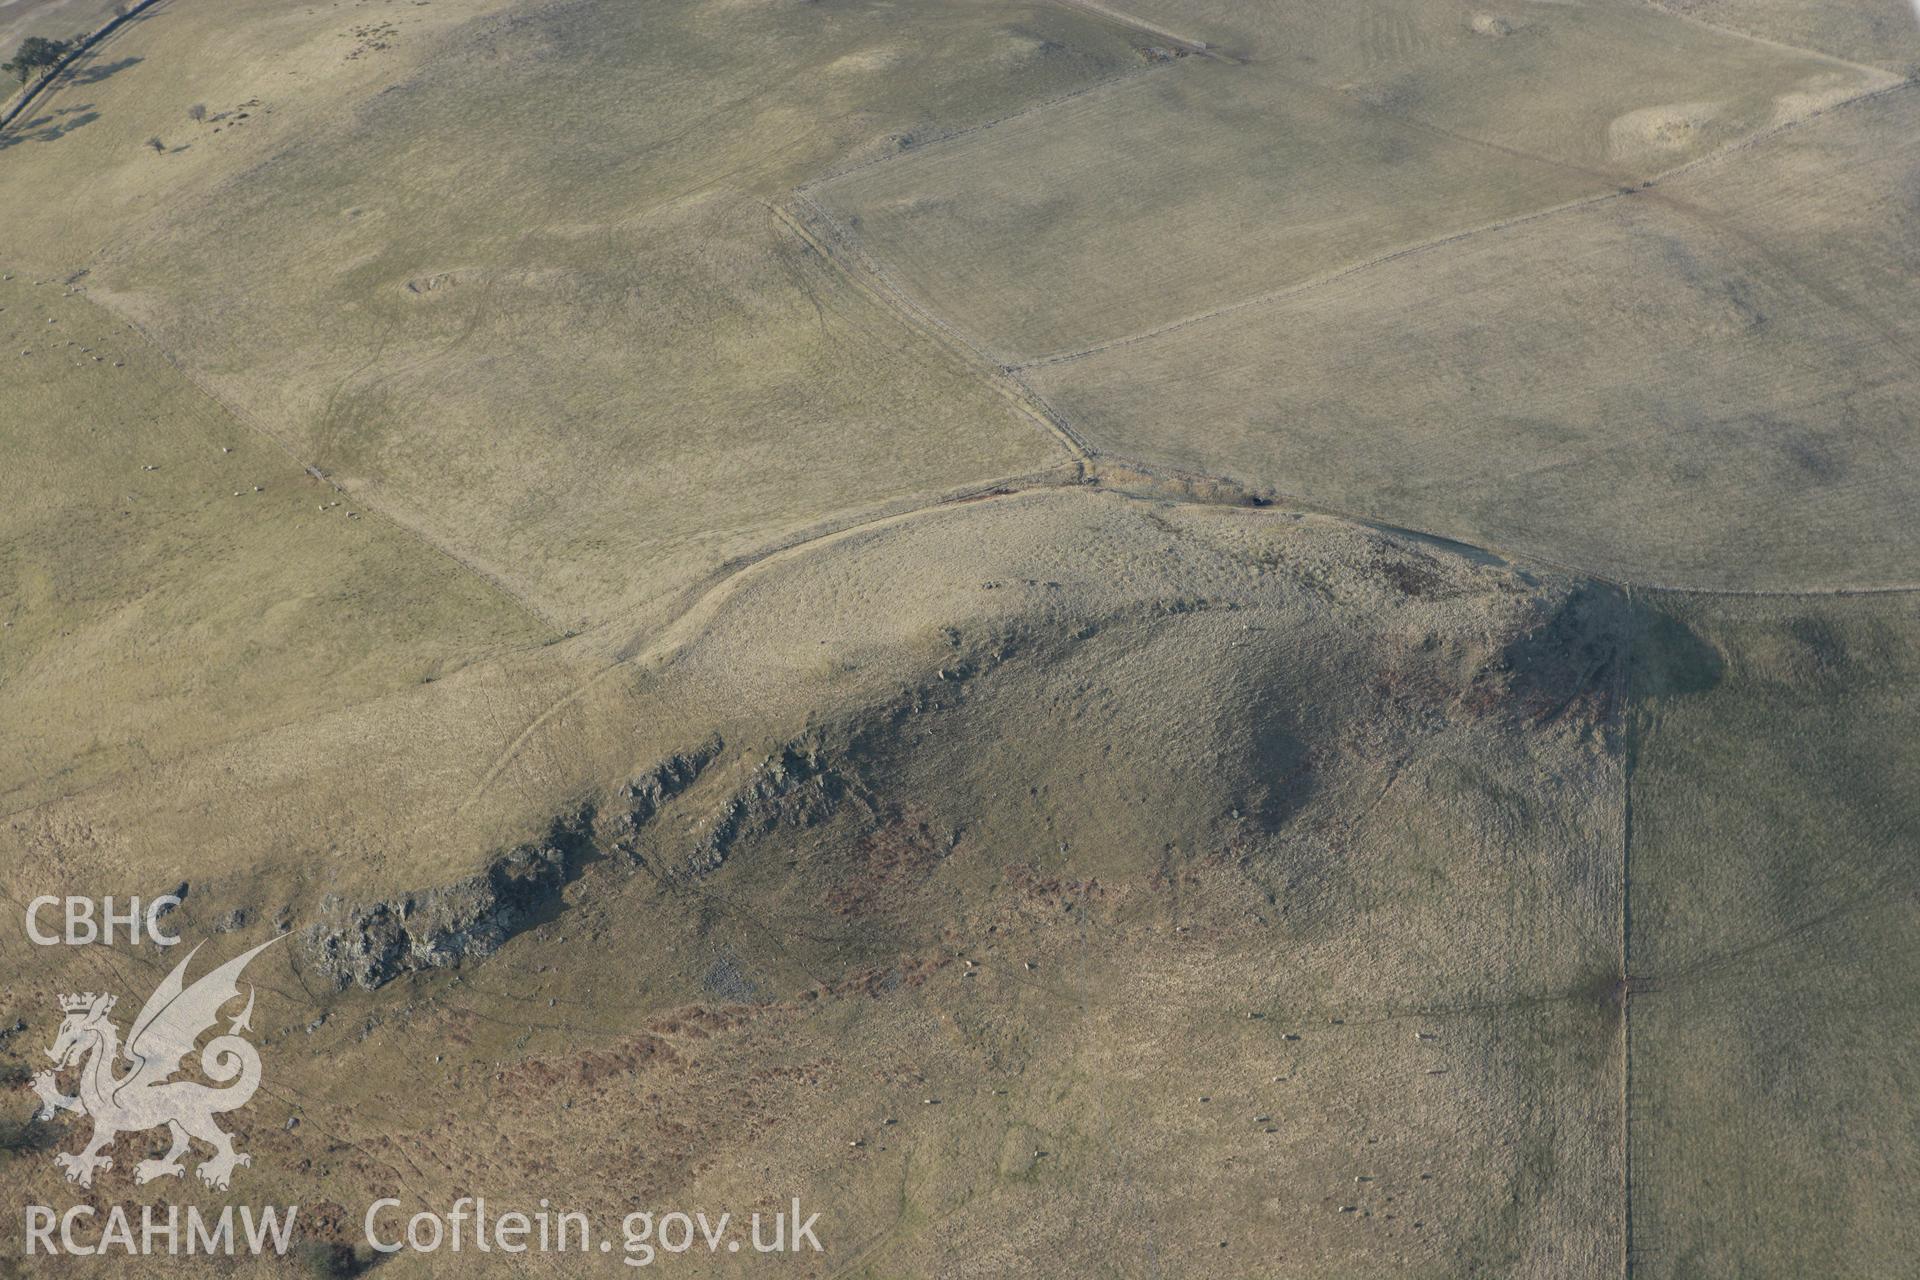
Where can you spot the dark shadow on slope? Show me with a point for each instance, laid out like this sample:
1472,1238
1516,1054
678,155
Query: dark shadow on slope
51,127
1669,657
94,73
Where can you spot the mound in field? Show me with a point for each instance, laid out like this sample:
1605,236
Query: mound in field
1112,827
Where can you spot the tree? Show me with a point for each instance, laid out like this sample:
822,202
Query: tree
197,112
37,54
157,145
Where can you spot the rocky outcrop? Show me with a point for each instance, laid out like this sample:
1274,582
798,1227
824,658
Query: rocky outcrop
645,795
796,788
370,945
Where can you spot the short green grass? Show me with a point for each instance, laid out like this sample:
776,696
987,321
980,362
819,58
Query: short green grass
1773,1080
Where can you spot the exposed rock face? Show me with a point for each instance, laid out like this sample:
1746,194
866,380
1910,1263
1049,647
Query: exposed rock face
1563,661
438,928
797,788
646,794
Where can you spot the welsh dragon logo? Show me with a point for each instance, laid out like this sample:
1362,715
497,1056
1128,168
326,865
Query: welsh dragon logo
143,1096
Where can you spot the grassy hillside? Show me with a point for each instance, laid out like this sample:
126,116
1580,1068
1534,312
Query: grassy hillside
1206,639
49,19
1200,185
1110,826
1314,142
172,579
667,374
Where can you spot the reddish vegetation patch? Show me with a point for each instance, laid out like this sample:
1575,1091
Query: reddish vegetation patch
1415,576
697,1022
1561,691
905,974
1416,691
1053,893
888,864
588,1067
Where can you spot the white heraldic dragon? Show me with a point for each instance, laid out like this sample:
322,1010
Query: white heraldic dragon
144,1095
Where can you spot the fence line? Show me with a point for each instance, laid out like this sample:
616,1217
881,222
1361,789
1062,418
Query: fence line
25,98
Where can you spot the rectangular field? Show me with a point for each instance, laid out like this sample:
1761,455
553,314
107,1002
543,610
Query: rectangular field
1775,1095
1168,195
1667,386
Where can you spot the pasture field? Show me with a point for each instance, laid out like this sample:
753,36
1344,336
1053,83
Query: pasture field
172,580
1165,196
669,376
1525,74
1772,1096
1225,178
49,19
1522,77
1881,32
1666,387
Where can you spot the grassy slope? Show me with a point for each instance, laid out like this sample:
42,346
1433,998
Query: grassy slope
1885,33
1200,185
150,613
1342,137
1774,1082
1188,763
620,401
95,180
53,19
581,352
1301,290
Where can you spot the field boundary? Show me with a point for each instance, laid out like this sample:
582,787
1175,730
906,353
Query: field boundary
1649,186
1315,282
1131,23
946,140
27,95
247,420
1626,946
1123,473
700,599
841,248
1720,28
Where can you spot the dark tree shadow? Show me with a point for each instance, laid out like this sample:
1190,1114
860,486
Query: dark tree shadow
50,127
94,73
